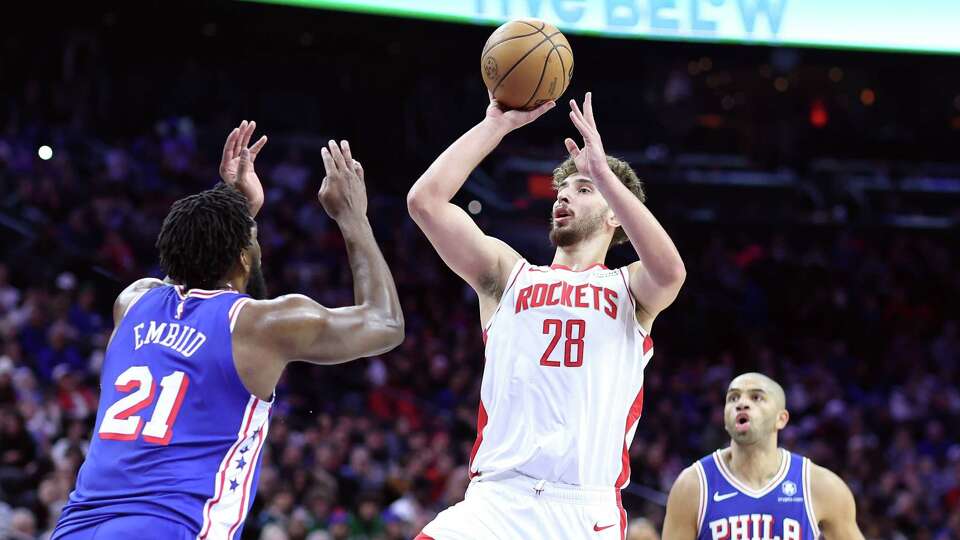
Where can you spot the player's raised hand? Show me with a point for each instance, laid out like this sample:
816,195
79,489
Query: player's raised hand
514,118
591,159
246,181
343,193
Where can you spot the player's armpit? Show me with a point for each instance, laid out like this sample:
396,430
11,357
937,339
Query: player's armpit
833,505
130,294
680,522
127,297
482,261
298,328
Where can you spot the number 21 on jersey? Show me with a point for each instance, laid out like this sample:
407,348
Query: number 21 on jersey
120,421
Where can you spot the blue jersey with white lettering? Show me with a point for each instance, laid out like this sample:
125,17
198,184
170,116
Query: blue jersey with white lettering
178,436
730,510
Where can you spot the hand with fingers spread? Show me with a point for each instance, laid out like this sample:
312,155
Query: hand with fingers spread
510,120
343,193
236,165
591,160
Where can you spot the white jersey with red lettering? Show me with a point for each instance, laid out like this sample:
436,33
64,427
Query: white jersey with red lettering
562,386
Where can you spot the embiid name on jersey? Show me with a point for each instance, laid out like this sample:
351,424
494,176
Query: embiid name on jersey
183,339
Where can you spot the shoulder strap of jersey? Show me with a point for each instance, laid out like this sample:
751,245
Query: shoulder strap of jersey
808,496
234,313
511,281
138,296
704,497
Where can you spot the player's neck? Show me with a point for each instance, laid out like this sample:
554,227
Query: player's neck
232,283
227,286
755,464
235,285
582,254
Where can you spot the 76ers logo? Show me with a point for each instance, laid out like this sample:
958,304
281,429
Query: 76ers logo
789,488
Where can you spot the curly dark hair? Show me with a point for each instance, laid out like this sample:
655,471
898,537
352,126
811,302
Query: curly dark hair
620,168
203,235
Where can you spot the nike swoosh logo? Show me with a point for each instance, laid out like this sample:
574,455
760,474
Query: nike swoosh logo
717,497
598,528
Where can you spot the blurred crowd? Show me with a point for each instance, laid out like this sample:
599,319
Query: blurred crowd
858,324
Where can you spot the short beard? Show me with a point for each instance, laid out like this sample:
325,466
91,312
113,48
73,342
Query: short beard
256,285
575,232
745,439
755,435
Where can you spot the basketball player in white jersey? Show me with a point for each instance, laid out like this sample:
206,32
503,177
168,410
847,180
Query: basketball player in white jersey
755,490
566,343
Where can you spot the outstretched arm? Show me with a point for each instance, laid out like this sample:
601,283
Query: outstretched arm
657,277
482,261
295,327
833,505
680,522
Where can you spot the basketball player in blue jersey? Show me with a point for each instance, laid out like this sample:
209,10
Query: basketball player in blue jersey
188,379
755,490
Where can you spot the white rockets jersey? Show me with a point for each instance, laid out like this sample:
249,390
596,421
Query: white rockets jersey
563,383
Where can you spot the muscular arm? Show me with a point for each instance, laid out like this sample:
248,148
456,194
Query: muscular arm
656,278
680,522
482,261
833,505
298,328
271,333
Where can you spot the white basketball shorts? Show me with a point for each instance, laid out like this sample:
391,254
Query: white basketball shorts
520,507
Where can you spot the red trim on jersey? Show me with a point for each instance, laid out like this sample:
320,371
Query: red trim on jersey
246,482
422,536
234,314
632,416
172,417
481,423
195,293
202,294
629,291
125,388
223,473
233,308
567,268
505,291
515,276
130,411
623,517
647,344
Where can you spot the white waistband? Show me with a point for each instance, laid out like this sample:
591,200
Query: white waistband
526,485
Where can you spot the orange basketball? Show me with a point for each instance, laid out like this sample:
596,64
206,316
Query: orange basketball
525,63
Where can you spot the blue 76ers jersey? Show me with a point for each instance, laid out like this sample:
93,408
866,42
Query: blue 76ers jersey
730,510
178,436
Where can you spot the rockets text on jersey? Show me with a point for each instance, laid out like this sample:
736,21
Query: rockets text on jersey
562,388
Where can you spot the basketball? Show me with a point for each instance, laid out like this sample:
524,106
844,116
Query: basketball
525,63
